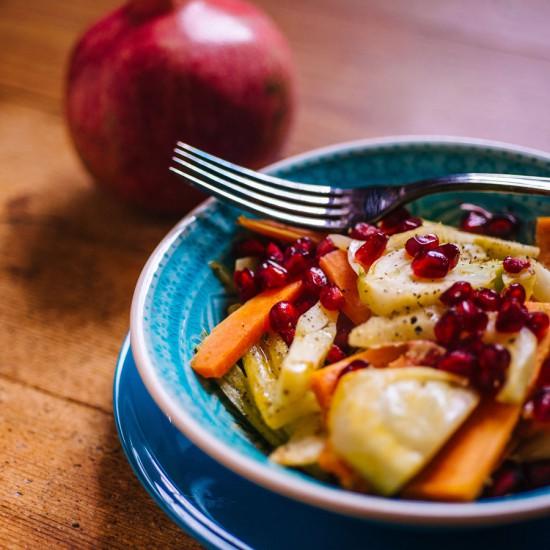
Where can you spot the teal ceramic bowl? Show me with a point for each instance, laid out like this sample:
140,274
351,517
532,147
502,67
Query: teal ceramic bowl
178,298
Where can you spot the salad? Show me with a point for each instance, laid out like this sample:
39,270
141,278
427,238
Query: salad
407,358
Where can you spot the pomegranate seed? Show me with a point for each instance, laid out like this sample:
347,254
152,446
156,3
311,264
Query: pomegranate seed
362,230
544,374
461,290
343,328
448,327
452,253
514,293
540,404
458,362
392,220
335,354
474,320
246,282
508,479
487,299
430,264
250,247
314,280
324,247
408,225
501,225
288,335
494,355
538,473
295,261
273,252
421,242
515,265
357,364
373,248
472,343
474,222
538,323
493,360
305,245
511,317
332,298
282,316
305,302
272,275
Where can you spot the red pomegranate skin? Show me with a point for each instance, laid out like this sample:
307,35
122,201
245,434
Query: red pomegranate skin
214,73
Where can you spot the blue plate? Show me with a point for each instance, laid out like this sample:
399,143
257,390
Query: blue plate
178,299
223,510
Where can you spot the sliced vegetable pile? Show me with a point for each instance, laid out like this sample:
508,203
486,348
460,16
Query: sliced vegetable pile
408,358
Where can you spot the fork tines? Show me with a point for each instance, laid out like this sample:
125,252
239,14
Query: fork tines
297,203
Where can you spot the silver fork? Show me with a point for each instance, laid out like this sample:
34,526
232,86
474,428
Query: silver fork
321,206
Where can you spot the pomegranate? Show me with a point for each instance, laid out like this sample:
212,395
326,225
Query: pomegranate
250,247
493,363
421,242
399,221
538,473
501,225
296,260
430,264
451,252
456,293
544,374
314,280
474,320
272,275
274,252
246,283
479,220
343,328
324,247
515,265
288,335
214,73
514,293
374,247
507,480
332,298
335,354
362,230
487,299
540,404
448,327
538,323
511,317
283,316
474,222
458,362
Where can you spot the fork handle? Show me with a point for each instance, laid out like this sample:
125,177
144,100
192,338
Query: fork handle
499,183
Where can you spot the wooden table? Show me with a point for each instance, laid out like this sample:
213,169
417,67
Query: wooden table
70,256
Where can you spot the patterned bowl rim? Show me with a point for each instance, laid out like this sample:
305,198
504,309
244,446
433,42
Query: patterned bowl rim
311,492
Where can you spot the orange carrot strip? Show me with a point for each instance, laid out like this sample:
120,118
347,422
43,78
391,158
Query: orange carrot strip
335,264
461,468
324,381
459,471
279,231
542,240
231,339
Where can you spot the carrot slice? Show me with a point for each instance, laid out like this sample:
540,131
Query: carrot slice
231,339
280,231
335,264
460,469
542,240
323,381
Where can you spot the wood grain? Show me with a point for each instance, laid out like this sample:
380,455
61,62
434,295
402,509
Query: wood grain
70,256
